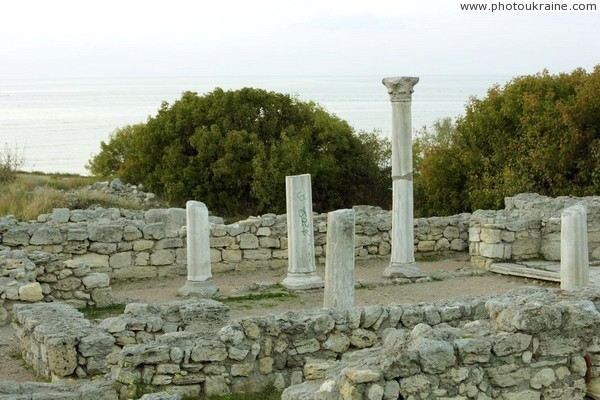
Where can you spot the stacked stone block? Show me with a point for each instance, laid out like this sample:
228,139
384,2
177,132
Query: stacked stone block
528,228
39,276
58,342
135,245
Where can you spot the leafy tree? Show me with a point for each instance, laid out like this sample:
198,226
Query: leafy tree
233,149
538,133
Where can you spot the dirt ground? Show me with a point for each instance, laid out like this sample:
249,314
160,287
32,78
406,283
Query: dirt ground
450,278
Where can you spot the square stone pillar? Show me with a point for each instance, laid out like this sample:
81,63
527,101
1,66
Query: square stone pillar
199,281
339,265
574,257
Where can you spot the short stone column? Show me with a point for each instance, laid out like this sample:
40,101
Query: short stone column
199,281
402,261
302,272
574,257
339,264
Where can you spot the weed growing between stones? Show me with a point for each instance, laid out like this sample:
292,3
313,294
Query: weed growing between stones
103,312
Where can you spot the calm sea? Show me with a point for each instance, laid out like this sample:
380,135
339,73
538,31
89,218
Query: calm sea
60,123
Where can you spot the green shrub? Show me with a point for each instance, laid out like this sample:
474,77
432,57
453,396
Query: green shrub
232,150
538,133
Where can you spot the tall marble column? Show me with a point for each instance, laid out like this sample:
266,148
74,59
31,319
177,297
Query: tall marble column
402,262
339,264
199,280
574,257
302,272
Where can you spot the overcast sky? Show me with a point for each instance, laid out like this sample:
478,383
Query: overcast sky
122,38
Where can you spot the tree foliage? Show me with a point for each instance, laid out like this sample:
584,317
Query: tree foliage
538,133
233,149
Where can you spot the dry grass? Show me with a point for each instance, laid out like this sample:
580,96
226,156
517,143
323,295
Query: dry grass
32,194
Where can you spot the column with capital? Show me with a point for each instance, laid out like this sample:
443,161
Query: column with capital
402,261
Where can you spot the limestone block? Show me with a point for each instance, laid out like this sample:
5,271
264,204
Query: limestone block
248,241
474,234
16,237
168,243
362,375
525,247
76,247
458,245
77,233
102,296
284,243
305,346
131,233
215,255
384,248
543,378
242,369
508,375
263,231
172,219
120,260
62,355
31,292
507,236
135,273
235,229
218,230
142,258
473,351
162,257
98,343
268,242
280,254
69,284
154,231
209,350
426,245
491,250
95,280
46,235
265,365
103,248
451,232
124,246
551,250
225,241
143,245
511,343
362,338
216,386
260,254
232,255
491,236
105,233
441,245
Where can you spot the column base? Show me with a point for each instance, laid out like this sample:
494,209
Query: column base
303,281
200,289
403,270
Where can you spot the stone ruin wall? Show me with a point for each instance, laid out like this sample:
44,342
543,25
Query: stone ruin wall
528,228
134,244
531,343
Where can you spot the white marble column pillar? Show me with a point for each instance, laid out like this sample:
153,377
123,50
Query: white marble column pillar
574,257
199,281
302,272
402,261
339,264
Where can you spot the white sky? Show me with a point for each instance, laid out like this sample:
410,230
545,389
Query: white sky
121,38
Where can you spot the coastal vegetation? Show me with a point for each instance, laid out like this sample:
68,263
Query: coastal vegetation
538,133
30,194
233,149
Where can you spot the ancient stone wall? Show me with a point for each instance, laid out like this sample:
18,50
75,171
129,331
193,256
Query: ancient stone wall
530,343
40,276
135,244
528,228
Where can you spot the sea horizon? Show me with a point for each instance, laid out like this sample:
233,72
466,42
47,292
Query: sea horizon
59,123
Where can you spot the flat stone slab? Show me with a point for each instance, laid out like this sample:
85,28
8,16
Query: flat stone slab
542,270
